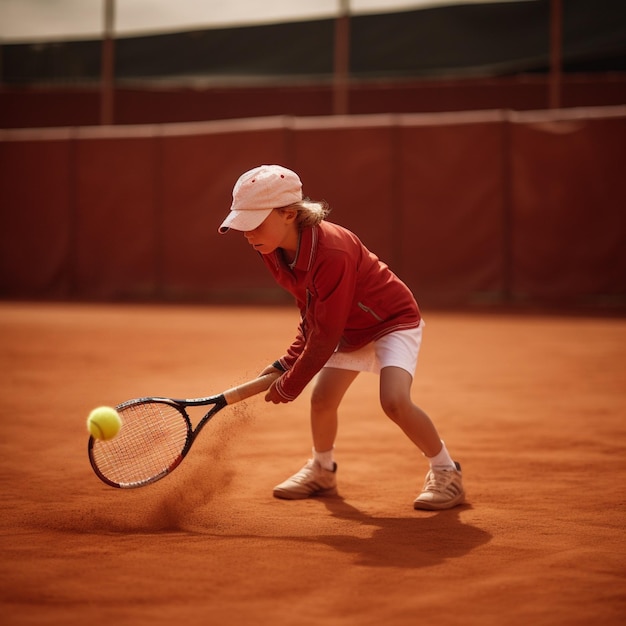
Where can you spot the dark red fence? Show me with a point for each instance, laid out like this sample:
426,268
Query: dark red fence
466,207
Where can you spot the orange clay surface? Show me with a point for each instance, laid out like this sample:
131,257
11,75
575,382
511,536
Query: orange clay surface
534,407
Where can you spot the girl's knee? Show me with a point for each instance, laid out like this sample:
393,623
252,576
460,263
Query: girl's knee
321,402
395,406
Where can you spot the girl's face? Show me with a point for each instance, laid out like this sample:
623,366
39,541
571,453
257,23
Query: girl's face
279,230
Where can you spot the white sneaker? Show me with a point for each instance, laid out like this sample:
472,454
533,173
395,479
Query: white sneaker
311,480
443,489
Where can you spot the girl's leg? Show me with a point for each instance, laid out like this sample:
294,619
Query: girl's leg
443,487
330,388
395,399
318,477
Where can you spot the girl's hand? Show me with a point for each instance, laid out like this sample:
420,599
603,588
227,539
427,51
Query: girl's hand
272,395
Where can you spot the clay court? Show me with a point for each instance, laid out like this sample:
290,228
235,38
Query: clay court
531,405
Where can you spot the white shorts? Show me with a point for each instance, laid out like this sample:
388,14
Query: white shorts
399,349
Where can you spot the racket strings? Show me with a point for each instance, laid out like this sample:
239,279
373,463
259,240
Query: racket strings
149,444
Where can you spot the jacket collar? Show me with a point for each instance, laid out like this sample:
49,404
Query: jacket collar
307,249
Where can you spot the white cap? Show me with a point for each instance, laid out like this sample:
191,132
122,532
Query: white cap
257,192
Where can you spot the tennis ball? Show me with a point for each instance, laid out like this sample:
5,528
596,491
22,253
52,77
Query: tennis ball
104,423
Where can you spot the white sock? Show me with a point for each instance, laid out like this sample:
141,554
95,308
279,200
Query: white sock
325,459
442,460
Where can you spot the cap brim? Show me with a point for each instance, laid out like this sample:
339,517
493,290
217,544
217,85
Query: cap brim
244,220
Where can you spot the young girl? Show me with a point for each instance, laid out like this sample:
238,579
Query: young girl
356,316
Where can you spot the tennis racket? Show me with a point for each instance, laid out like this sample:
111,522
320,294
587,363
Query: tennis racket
157,434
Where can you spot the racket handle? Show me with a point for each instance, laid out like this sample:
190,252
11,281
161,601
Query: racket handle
251,388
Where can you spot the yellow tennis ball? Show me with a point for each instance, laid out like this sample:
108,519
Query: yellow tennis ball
104,423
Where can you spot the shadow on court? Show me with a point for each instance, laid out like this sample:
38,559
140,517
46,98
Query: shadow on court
405,542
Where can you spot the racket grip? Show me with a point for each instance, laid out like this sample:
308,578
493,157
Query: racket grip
251,388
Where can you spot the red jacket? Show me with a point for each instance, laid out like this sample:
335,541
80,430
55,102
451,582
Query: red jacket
347,298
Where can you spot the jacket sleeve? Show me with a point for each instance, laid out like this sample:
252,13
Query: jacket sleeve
295,349
330,296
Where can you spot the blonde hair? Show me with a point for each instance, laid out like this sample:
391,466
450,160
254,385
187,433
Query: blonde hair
310,213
